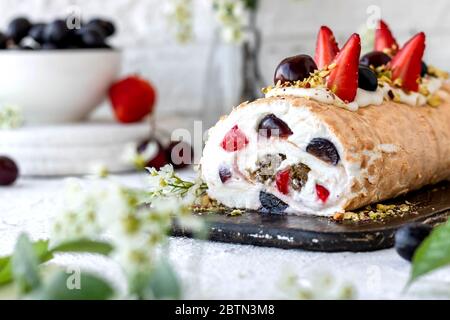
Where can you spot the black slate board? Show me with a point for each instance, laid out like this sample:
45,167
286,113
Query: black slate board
431,205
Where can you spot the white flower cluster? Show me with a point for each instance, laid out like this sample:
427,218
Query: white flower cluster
10,117
231,14
179,15
135,227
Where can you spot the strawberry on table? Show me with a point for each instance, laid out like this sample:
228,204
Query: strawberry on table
326,47
343,79
407,63
132,99
384,40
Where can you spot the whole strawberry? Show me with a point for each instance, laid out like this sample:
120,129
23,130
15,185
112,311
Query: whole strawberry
132,99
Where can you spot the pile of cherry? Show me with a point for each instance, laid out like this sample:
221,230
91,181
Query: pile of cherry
22,34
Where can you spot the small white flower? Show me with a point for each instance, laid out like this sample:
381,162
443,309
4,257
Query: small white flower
11,117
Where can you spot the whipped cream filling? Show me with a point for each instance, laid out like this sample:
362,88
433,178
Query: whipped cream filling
363,98
241,191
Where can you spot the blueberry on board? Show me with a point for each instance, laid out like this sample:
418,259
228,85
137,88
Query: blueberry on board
367,79
324,149
8,171
409,238
57,33
18,29
37,32
424,70
107,26
3,41
271,204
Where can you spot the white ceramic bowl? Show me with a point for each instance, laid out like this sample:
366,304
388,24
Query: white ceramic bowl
57,86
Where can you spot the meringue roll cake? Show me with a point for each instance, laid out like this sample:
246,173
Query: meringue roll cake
335,133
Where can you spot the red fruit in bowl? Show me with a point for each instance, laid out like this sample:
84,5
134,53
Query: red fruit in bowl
326,47
384,40
343,79
132,99
158,159
407,63
180,154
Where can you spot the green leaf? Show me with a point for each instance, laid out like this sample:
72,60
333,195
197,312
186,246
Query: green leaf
74,286
84,246
41,250
25,265
433,253
163,283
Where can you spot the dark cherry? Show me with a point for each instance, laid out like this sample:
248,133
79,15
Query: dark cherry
37,32
271,204
8,171
180,154
271,125
160,160
367,79
57,33
3,41
18,29
375,59
424,70
409,238
324,150
108,27
224,174
295,68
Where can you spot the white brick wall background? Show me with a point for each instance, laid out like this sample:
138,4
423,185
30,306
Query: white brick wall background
288,26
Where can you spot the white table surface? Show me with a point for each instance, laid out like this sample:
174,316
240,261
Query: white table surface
216,270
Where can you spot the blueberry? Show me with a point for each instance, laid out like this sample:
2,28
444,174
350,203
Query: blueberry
3,41
367,79
57,33
18,29
424,70
107,26
324,150
375,59
224,174
272,125
409,238
37,32
8,171
271,204
294,69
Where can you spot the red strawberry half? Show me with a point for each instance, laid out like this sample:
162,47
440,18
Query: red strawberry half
384,40
343,79
282,181
132,99
407,63
326,48
234,140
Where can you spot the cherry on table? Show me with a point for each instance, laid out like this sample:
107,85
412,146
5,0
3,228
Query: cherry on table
159,160
9,172
180,154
